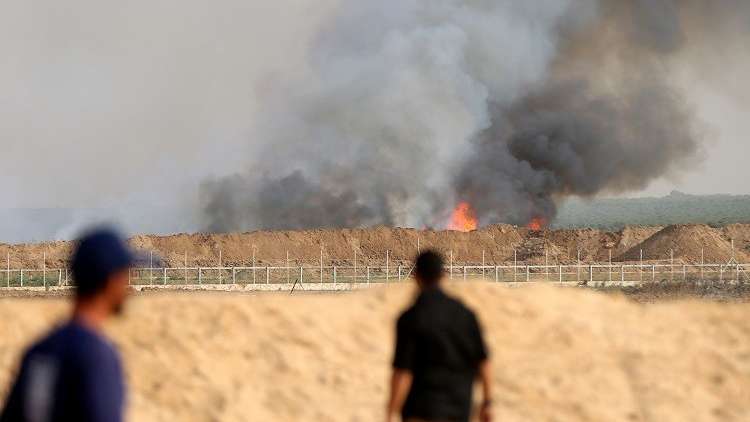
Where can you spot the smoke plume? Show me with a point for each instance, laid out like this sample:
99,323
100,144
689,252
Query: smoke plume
411,106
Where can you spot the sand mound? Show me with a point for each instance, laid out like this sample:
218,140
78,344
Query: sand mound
339,247
686,241
561,354
595,244
740,233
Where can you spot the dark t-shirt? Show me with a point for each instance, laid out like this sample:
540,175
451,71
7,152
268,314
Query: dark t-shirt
439,341
71,375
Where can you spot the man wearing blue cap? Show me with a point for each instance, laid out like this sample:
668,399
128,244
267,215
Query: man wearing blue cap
74,373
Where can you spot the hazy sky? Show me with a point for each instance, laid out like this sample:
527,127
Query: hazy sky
112,103
105,100
726,122
719,91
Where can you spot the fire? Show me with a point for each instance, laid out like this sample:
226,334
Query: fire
463,218
537,223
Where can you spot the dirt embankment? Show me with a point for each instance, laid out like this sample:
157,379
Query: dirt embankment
499,244
560,354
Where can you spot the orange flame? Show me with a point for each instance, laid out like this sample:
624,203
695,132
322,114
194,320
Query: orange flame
463,218
537,223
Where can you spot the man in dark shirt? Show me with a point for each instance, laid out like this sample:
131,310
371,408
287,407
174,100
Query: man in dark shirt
439,354
74,374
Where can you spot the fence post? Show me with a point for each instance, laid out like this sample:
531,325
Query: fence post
268,274
253,265
640,267
151,267
591,274
451,266
464,272
737,272
368,275
200,275
399,273
334,276
653,273
671,265
483,273
528,275
622,274
234,275
21,278
165,276
59,277
560,270
496,274
300,274
387,263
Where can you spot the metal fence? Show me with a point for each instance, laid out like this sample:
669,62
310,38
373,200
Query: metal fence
592,274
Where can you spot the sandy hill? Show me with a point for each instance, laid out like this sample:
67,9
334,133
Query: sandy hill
687,242
560,354
740,233
498,242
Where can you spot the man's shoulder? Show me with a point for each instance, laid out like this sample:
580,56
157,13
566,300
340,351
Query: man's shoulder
436,302
458,305
407,315
71,342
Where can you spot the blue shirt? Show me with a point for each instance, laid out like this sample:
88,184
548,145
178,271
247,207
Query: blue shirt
73,374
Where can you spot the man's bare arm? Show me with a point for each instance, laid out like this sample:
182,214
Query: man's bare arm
485,376
400,385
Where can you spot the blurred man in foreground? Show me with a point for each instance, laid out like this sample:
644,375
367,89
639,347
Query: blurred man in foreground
74,373
439,354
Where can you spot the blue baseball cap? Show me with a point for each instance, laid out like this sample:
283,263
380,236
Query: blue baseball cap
99,254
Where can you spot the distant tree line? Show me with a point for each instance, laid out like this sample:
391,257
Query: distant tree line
676,208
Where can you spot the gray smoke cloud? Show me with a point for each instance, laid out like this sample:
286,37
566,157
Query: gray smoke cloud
412,106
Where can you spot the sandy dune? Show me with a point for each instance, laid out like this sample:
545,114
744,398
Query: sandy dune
498,243
561,355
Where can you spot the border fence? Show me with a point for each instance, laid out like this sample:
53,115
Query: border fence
342,275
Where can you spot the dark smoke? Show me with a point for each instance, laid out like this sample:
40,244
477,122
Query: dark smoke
567,140
292,202
607,119
508,105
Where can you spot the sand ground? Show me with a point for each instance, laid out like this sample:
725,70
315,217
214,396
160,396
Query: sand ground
560,354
